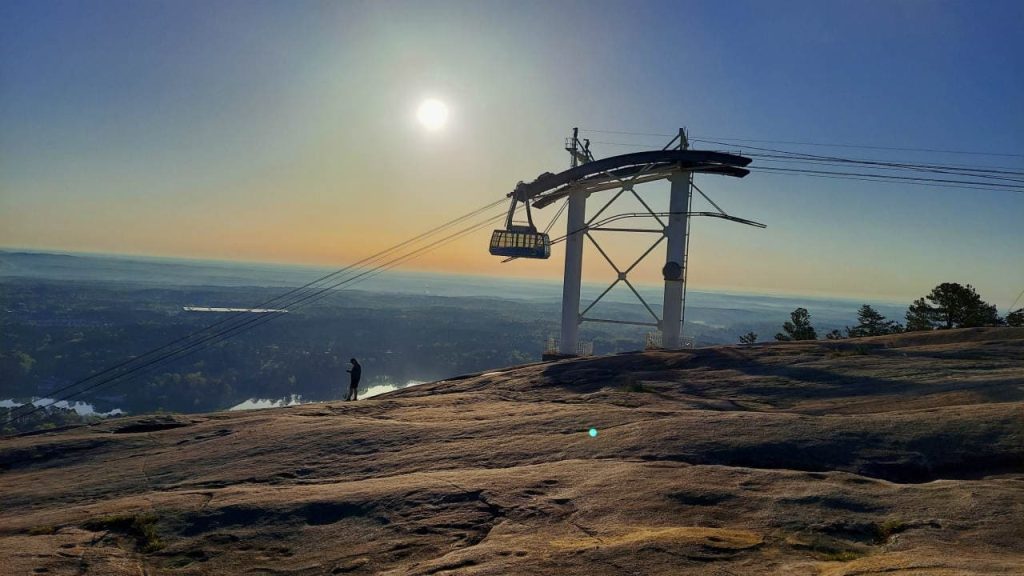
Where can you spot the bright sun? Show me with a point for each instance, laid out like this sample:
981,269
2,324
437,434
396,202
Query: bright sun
432,114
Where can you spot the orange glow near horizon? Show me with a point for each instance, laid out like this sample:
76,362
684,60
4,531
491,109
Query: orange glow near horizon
331,221
466,256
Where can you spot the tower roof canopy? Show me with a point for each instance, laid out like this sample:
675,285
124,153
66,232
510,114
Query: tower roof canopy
639,167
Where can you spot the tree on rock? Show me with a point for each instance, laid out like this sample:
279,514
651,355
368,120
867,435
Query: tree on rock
950,305
835,335
1015,318
799,328
748,338
871,323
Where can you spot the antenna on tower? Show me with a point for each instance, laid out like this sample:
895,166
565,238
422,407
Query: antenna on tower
578,150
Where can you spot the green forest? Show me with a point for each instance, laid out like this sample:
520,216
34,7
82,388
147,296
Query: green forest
57,333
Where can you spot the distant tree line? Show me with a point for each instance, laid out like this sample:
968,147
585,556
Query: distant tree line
948,305
20,419
55,333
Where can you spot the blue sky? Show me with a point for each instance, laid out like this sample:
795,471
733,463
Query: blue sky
285,131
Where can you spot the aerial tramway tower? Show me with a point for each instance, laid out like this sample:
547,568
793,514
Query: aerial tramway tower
677,163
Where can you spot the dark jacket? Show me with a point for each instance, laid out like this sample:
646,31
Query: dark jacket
356,372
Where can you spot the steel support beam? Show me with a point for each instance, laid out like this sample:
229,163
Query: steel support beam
675,259
576,227
624,172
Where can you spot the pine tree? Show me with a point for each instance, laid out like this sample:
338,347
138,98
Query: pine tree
1015,318
748,338
950,305
872,323
799,328
921,316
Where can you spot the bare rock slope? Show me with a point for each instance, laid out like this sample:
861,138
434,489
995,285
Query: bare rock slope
889,455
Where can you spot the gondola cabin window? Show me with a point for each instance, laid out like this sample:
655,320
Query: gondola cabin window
520,242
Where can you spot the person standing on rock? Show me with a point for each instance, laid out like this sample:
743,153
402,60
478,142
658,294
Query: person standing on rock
355,371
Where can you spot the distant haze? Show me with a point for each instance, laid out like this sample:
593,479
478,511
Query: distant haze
179,272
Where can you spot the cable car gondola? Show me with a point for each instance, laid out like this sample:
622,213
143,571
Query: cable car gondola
520,241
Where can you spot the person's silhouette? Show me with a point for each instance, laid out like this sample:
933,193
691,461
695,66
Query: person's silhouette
356,371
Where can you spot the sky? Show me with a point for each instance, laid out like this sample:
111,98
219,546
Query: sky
287,131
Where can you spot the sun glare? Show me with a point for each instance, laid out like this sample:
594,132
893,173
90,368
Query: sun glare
432,114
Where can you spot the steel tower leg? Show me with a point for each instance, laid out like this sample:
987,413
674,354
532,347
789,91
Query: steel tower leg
575,228
675,259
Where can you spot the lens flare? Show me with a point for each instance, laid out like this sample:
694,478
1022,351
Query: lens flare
593,432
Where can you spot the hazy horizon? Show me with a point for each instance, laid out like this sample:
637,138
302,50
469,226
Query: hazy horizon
553,283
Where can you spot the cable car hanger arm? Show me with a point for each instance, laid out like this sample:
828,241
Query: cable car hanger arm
694,160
